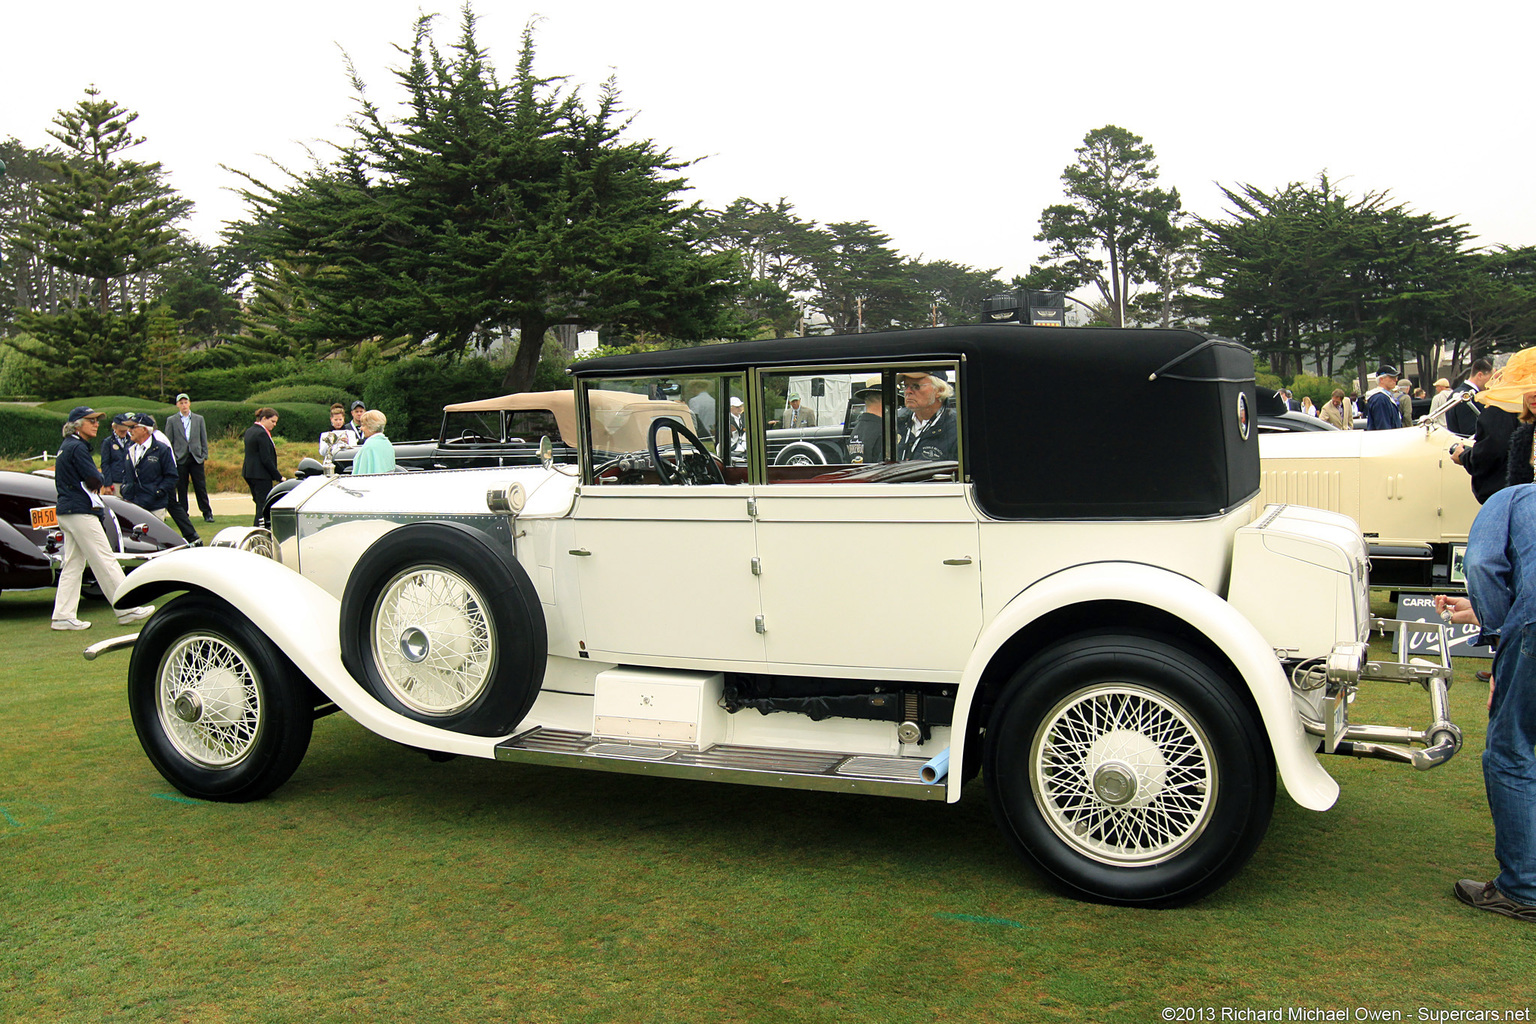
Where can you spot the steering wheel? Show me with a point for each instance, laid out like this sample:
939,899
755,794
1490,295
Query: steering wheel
694,467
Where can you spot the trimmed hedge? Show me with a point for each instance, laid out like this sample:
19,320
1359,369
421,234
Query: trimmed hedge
318,394
26,431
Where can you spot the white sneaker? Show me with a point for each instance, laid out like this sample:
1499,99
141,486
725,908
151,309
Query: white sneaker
70,624
134,614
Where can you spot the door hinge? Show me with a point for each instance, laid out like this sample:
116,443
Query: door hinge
757,566
752,507
760,627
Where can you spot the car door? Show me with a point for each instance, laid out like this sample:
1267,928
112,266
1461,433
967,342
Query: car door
883,578
666,574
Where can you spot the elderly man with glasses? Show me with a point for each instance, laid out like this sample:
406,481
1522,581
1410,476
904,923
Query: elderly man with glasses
931,433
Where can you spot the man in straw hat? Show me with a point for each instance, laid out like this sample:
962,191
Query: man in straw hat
78,486
1442,395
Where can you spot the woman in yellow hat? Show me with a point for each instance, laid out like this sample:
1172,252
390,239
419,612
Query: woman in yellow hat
1513,389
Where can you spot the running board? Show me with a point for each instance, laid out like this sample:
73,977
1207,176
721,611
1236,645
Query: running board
752,766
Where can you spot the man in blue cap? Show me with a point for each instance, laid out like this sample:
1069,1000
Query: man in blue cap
78,485
150,480
114,450
1382,411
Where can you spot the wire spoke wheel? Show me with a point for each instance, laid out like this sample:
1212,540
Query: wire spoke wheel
433,640
1129,769
208,702
1123,775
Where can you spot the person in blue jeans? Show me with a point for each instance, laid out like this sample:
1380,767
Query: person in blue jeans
1501,589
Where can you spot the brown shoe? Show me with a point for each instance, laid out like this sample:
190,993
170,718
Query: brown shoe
1486,896
1484,676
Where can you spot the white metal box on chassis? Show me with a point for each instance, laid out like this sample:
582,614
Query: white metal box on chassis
649,704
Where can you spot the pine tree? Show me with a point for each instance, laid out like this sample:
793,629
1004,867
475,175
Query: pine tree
106,217
101,220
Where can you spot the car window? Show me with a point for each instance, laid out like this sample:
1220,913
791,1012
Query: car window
471,427
857,425
620,414
529,425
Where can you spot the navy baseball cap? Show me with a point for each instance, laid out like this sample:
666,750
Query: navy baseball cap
144,419
84,412
358,405
123,417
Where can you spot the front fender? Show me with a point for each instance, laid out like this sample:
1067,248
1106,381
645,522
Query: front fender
1295,757
303,621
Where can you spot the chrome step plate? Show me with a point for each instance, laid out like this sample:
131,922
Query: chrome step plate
752,766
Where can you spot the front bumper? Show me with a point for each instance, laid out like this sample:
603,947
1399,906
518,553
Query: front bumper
1348,665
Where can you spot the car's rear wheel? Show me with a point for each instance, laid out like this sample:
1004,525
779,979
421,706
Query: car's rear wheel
1129,770
800,453
219,710
439,627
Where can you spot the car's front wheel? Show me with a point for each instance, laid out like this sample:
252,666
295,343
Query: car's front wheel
220,711
1129,770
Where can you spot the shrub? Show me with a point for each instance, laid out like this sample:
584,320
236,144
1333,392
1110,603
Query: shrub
412,392
297,420
20,374
1319,388
229,383
318,394
26,431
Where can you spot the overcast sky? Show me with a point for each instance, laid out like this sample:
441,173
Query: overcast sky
945,124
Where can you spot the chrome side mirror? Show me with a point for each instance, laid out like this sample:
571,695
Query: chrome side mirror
546,452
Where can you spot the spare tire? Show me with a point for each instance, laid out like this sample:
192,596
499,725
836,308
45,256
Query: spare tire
441,627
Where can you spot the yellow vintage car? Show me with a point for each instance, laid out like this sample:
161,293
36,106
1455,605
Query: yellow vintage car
1413,503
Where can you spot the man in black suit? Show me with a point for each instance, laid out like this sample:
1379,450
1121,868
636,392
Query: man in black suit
1462,419
189,443
260,468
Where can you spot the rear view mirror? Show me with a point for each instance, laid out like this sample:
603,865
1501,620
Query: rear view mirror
546,451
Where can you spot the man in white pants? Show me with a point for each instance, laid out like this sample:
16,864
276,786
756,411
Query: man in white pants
78,487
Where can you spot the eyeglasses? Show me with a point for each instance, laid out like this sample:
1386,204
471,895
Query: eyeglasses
915,385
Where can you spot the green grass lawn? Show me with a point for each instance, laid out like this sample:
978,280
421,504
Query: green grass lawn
379,886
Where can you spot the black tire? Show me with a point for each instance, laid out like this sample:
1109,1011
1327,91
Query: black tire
1151,811
439,627
221,712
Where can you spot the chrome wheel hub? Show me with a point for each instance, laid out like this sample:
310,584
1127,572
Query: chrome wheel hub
415,644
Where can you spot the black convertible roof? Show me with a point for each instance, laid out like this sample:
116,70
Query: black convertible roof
1058,422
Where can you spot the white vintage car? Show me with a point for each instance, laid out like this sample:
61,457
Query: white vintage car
1413,503
1108,626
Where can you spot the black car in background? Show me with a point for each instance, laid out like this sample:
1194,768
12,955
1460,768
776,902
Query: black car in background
31,556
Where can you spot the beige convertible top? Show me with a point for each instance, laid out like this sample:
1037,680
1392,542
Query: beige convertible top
620,419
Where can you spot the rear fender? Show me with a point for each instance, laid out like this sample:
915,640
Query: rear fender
303,621
1295,753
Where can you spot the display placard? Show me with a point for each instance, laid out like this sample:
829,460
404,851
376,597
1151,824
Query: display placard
1421,608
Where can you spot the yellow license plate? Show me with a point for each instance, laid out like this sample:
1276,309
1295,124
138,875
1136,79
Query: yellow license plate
44,517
